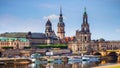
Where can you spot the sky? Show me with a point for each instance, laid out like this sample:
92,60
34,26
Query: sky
32,15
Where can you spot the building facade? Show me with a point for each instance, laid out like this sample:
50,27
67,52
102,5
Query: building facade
15,43
49,37
61,27
83,42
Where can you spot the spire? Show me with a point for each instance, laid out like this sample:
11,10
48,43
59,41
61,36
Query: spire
60,18
85,16
60,10
85,25
84,9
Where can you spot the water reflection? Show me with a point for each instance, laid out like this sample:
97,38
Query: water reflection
65,65
15,66
57,65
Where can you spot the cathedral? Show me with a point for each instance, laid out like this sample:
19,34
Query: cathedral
49,37
82,41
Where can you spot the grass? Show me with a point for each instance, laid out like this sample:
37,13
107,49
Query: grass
117,66
109,66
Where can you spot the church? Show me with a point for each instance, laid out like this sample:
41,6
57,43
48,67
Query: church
82,41
49,37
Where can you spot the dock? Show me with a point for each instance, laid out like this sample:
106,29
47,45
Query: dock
14,61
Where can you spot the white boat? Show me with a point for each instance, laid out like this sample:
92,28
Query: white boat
90,58
58,61
75,59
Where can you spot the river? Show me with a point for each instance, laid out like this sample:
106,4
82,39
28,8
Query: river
58,65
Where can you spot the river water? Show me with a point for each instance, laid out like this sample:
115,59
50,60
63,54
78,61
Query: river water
59,65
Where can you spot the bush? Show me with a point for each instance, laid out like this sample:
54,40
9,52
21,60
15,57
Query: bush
8,47
27,47
61,46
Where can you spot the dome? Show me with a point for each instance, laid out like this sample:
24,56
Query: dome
29,33
101,39
48,23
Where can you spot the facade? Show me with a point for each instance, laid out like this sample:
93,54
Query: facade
83,36
83,42
61,27
49,37
16,43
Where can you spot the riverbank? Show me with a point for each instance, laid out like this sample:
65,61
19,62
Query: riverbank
109,66
14,61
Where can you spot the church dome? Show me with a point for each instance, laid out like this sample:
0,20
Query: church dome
48,23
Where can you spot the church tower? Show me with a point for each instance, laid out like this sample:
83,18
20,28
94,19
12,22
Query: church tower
85,25
84,36
48,30
61,26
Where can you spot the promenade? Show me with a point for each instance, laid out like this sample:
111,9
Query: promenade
109,66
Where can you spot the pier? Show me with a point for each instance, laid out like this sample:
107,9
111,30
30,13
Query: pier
14,61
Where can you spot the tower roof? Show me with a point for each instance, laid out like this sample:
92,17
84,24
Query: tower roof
60,11
48,23
61,24
85,11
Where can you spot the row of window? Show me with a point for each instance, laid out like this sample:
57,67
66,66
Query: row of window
14,43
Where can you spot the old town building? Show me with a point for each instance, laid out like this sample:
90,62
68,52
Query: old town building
83,42
14,43
61,26
49,37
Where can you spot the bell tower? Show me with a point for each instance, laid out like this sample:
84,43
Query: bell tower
61,26
85,25
84,36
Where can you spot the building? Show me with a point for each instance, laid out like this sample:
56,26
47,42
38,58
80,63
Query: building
14,43
49,37
83,42
61,26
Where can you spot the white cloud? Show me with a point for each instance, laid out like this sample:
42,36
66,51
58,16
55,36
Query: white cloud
53,17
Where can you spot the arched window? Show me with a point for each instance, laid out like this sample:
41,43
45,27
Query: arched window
85,38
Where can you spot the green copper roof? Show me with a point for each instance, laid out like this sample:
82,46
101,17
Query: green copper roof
13,39
23,39
85,9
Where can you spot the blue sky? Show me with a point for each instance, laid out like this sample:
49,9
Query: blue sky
31,15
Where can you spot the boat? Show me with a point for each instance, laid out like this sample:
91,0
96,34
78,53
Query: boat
74,59
57,61
90,58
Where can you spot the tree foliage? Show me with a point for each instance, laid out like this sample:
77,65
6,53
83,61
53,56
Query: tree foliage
61,46
7,47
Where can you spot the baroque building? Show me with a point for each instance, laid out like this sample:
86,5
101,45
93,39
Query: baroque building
49,37
61,26
83,36
82,41
15,43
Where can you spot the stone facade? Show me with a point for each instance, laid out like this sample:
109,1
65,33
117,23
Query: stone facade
16,43
83,40
49,37
61,27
